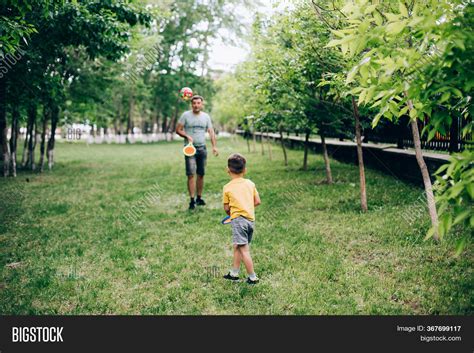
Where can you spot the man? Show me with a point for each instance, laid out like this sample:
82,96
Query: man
193,126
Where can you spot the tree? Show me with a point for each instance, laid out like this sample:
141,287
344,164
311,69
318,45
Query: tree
100,28
392,73
183,59
14,32
455,186
450,82
330,17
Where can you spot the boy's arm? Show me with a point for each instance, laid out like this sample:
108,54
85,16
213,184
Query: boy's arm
225,201
256,199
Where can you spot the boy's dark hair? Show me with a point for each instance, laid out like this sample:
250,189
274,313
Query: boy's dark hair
197,97
236,163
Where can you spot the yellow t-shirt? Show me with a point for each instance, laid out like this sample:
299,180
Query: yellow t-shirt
239,193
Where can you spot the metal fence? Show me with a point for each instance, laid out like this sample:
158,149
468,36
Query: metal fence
401,135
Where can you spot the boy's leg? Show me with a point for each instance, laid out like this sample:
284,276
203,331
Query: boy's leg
234,272
237,258
246,258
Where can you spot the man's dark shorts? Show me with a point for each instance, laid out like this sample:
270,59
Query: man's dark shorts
197,163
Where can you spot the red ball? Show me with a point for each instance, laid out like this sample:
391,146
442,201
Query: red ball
186,93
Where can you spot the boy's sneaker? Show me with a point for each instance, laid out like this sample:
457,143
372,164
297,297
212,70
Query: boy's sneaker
200,202
192,205
232,278
254,281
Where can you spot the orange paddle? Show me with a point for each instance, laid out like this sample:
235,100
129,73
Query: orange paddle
189,150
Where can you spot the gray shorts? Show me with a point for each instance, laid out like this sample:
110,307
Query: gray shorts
197,163
242,230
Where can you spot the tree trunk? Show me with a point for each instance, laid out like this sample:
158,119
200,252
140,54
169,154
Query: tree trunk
4,127
164,125
254,138
205,50
156,127
143,125
425,174
326,160
306,148
32,146
46,114
360,157
118,126
283,146
131,103
269,146
172,127
51,141
29,135
174,120
247,137
155,120
25,146
116,131
261,144
14,139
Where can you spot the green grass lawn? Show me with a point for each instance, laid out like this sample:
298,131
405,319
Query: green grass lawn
67,247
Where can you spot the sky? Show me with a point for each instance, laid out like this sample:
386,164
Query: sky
226,56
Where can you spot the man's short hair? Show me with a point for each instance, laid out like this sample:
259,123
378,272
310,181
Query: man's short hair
236,163
197,97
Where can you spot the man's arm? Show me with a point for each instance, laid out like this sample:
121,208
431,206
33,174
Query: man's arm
213,141
227,208
180,131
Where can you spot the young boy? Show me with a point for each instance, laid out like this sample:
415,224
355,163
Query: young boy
240,198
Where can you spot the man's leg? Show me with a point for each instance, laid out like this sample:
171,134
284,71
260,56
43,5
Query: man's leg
190,163
191,186
201,157
200,185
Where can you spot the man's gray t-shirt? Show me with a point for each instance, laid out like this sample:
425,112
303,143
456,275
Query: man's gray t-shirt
196,126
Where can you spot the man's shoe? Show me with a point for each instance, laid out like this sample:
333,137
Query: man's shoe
192,205
232,278
200,202
255,281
